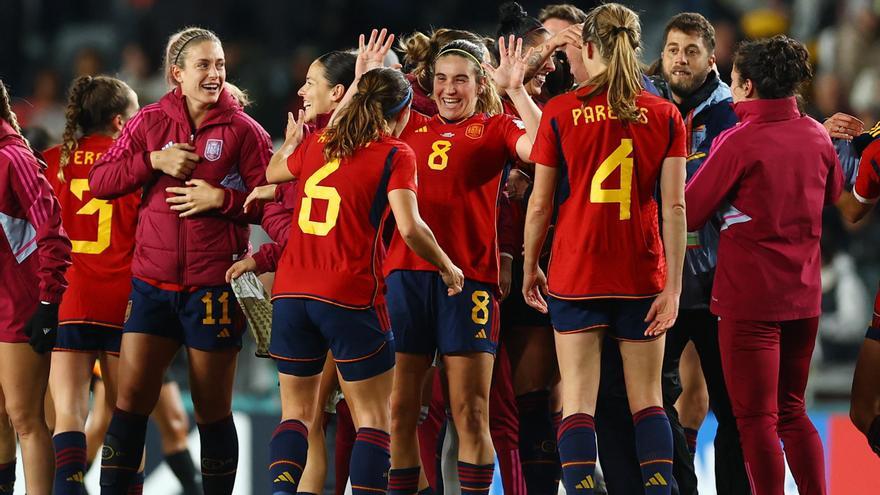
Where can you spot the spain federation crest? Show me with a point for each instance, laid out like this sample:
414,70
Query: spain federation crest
213,148
474,131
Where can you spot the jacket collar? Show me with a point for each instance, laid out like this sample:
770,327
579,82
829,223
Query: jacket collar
767,110
174,105
8,134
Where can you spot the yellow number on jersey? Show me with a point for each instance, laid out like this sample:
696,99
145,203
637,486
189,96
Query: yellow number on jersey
438,159
105,216
313,191
480,312
620,158
208,300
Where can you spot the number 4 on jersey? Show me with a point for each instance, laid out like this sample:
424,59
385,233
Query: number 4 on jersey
620,158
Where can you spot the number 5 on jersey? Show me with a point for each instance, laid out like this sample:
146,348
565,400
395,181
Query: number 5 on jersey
620,158
314,191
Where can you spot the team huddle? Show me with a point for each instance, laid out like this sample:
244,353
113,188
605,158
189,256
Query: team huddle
517,242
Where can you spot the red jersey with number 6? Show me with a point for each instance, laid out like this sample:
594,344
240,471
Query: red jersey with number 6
607,240
102,234
334,253
460,170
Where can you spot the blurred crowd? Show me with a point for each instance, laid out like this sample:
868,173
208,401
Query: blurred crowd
269,45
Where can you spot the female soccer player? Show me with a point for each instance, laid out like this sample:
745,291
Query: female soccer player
196,154
865,402
768,315
600,154
93,308
328,289
461,154
33,260
419,52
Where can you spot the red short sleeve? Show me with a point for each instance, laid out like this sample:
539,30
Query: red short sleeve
546,150
867,188
514,128
295,160
403,170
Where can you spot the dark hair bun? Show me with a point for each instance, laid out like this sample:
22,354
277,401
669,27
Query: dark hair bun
511,12
513,19
777,66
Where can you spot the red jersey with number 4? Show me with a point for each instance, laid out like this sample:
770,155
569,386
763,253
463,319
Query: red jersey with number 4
607,239
334,252
102,234
867,187
460,167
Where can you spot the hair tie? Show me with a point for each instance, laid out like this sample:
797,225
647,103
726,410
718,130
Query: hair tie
619,29
177,57
462,52
402,104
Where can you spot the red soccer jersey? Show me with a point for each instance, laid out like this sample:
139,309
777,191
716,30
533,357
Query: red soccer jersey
334,252
867,188
607,239
102,234
460,167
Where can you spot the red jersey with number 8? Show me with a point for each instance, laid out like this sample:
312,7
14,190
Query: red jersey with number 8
460,169
102,234
334,253
607,239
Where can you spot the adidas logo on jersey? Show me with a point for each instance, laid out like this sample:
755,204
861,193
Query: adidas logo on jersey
481,334
224,333
586,484
656,480
421,130
77,477
285,477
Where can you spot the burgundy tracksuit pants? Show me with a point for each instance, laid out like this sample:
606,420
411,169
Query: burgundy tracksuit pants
766,365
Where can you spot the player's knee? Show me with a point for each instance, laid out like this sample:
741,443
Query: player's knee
472,418
25,419
404,414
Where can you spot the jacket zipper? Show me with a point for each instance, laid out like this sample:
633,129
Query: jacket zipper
182,237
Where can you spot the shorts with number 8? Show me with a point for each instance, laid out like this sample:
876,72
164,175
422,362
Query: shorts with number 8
207,318
425,319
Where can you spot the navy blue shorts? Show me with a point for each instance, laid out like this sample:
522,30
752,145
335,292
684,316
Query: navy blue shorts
304,329
425,319
85,337
623,319
873,333
207,319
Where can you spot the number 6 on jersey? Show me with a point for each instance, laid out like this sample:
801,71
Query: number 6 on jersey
313,191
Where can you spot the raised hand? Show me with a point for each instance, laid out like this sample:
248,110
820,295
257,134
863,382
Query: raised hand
512,64
371,54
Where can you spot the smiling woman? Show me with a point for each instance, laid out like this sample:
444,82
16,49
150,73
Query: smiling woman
195,155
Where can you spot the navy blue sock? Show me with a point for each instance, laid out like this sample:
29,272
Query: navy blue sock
654,449
184,470
7,478
123,448
690,435
537,443
474,478
426,491
404,481
137,484
219,443
577,452
288,450
70,463
370,461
